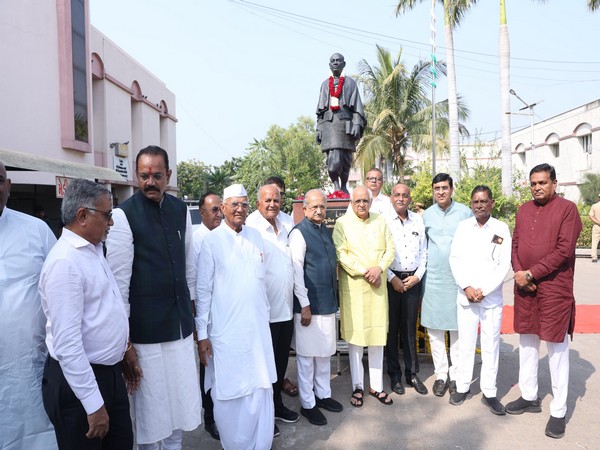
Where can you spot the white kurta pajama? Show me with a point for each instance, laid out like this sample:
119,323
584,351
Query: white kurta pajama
168,398
24,244
315,343
232,311
480,258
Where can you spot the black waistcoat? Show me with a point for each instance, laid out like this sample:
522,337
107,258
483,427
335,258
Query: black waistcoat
158,293
320,275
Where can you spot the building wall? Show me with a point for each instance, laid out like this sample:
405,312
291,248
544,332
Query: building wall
127,103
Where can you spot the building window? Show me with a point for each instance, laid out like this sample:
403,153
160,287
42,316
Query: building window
586,143
555,149
80,91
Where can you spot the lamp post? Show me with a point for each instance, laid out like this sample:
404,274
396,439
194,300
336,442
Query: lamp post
530,107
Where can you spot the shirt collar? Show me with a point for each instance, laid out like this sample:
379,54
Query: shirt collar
78,242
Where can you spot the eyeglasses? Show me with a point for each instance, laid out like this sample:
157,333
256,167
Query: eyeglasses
441,188
155,176
236,205
213,210
375,179
107,214
402,195
360,200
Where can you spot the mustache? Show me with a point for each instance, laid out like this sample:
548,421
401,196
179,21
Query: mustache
151,188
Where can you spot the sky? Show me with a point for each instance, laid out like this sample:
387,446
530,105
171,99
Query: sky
238,67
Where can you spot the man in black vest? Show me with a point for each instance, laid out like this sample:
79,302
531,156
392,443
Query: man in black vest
150,250
315,305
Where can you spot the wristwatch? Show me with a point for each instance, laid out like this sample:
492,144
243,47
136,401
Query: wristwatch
528,276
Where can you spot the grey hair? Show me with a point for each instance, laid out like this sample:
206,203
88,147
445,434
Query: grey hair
259,195
313,191
81,194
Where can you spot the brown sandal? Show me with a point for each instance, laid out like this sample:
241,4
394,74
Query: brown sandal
355,400
289,388
382,396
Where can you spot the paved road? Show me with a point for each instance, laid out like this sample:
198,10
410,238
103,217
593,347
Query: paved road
428,422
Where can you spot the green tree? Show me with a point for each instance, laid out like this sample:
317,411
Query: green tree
290,153
217,179
399,112
190,178
590,188
454,10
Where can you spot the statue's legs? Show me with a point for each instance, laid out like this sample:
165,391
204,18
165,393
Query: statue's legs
338,166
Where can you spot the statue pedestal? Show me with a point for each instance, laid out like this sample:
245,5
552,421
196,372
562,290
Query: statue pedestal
336,207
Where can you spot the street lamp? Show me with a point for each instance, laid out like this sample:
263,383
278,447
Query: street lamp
530,107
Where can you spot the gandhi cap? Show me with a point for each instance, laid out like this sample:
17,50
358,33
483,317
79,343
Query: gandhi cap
235,190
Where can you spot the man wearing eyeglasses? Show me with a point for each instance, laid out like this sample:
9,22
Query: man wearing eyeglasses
232,320
438,310
24,244
480,260
380,203
83,388
150,250
211,214
364,250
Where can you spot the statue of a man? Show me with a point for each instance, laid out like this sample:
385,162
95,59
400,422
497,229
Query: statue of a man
340,121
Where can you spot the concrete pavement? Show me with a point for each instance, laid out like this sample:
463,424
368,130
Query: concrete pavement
427,422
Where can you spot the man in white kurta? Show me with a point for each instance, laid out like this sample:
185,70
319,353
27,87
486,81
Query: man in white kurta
364,249
232,320
315,305
279,277
24,244
480,260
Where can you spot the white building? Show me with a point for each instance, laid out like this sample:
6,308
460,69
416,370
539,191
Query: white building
73,105
565,141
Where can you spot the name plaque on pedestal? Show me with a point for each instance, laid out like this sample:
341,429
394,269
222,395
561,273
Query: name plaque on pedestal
336,207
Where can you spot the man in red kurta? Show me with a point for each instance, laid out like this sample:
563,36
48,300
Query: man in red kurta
543,259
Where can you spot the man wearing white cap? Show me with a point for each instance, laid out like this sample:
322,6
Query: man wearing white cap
232,320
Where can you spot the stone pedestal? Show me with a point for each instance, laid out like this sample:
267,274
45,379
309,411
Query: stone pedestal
336,207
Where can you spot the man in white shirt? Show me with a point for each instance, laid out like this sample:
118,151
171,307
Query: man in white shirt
315,305
404,289
87,330
380,203
232,320
210,211
479,259
279,279
24,244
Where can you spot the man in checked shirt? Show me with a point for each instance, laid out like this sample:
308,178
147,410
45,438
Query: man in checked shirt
404,286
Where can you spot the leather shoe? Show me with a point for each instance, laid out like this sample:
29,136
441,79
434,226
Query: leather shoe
520,406
555,428
452,387
212,429
418,385
494,404
314,415
397,387
329,404
440,387
457,398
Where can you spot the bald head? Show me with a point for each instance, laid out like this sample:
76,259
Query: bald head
315,206
361,202
4,187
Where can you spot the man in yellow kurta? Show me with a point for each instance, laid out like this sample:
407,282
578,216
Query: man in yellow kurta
364,249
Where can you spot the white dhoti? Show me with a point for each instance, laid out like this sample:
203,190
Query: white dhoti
168,398
246,422
314,346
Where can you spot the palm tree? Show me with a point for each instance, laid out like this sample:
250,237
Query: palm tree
593,5
398,110
217,179
454,10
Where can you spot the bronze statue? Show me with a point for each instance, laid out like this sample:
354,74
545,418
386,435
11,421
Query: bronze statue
340,121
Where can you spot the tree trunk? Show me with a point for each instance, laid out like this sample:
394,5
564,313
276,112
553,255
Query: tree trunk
452,99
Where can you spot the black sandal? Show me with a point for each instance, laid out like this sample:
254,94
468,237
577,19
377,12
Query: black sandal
358,401
382,396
